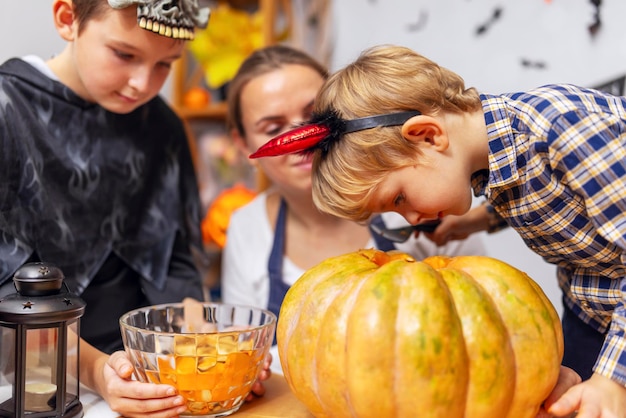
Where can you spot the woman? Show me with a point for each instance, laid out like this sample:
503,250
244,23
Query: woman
272,240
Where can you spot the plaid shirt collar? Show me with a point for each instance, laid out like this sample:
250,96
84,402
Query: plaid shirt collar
502,163
500,133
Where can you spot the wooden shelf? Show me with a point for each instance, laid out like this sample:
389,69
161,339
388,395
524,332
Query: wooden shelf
215,111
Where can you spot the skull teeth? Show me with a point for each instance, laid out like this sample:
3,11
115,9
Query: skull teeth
166,30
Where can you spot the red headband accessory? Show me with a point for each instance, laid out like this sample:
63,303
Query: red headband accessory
323,130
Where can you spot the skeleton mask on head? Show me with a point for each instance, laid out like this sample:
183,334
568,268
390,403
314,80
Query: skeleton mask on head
172,18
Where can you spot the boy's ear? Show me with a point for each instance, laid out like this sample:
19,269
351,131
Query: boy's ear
64,19
425,129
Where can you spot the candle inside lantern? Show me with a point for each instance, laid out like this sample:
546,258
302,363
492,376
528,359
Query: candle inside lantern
38,396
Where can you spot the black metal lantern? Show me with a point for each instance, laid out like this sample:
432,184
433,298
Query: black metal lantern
39,345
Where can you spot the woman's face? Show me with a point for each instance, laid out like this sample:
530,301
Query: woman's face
272,104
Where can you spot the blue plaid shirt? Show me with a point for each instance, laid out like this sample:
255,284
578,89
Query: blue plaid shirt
557,175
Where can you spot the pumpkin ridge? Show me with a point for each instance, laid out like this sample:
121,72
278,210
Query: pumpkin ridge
551,316
491,357
299,333
366,366
429,362
330,357
501,281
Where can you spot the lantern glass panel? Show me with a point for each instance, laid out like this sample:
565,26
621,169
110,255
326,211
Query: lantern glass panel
41,369
72,382
7,366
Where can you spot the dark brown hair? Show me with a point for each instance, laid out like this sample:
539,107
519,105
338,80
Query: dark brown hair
86,10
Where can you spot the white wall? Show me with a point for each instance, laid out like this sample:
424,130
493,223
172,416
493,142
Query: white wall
553,33
26,27
550,32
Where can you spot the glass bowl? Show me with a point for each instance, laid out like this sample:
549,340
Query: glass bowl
211,352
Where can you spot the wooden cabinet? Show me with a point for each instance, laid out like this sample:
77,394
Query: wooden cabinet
277,17
206,128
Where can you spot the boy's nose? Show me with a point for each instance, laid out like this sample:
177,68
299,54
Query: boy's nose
140,80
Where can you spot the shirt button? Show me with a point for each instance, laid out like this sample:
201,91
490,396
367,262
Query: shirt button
585,305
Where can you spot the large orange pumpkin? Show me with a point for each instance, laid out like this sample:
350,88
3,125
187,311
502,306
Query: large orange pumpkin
375,334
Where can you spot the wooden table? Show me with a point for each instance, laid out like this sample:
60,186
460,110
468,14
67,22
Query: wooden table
278,402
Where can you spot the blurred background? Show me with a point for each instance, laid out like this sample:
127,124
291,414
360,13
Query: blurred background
497,46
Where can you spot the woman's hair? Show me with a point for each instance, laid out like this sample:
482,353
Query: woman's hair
260,62
384,79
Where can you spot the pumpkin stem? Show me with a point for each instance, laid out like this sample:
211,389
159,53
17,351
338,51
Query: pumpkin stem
381,258
437,261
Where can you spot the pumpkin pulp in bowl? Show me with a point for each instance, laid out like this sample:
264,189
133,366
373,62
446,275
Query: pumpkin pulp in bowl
213,363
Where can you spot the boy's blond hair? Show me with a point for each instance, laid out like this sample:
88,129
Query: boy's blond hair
384,79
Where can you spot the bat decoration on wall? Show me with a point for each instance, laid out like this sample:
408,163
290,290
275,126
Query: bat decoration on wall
597,23
539,65
419,23
495,16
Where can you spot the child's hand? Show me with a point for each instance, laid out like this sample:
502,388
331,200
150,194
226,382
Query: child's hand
257,388
598,397
134,399
460,227
567,379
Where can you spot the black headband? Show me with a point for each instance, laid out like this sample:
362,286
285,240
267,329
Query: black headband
390,119
323,130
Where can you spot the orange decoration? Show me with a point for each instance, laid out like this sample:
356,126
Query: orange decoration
196,98
217,218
